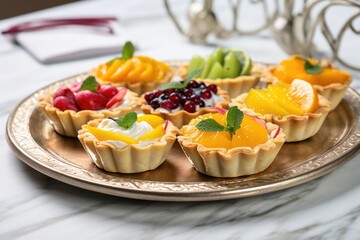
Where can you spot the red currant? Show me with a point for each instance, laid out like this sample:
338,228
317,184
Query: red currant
213,88
167,104
205,94
149,96
189,107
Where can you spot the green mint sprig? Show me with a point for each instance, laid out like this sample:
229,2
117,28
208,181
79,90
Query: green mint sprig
234,118
309,67
179,85
127,52
89,83
126,121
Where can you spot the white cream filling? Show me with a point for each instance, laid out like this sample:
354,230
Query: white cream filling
135,131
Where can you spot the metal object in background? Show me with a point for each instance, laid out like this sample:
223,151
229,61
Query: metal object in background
294,32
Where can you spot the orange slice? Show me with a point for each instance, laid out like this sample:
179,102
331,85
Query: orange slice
260,102
304,95
250,133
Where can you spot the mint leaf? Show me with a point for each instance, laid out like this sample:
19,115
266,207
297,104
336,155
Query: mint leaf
309,67
126,121
312,68
210,125
179,85
234,118
89,83
128,51
191,76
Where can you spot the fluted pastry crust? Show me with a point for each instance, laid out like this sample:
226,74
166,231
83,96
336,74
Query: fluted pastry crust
239,161
130,159
295,127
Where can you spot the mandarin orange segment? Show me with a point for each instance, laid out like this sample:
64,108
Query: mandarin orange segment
135,69
294,68
333,75
279,94
122,71
112,68
304,95
250,133
260,102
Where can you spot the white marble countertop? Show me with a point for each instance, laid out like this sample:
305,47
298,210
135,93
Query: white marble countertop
34,206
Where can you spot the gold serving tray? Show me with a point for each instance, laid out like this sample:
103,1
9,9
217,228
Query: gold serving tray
34,141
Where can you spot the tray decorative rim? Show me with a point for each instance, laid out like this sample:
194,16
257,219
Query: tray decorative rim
21,141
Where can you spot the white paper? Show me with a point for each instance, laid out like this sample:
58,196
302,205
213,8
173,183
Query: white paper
66,43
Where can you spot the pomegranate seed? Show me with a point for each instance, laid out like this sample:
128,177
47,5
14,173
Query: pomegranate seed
193,84
202,85
188,92
189,107
149,96
63,103
168,105
164,96
157,93
174,98
213,88
155,103
183,100
195,99
169,90
205,94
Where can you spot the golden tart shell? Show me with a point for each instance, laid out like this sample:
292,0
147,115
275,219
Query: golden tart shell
69,122
233,86
295,127
130,159
183,117
239,161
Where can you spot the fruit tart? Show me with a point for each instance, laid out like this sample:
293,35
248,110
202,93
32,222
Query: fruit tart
129,144
295,107
182,101
230,144
230,69
329,81
70,107
138,73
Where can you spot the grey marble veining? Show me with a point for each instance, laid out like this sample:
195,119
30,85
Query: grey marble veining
34,206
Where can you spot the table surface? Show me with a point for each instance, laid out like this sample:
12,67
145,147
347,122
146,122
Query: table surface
34,206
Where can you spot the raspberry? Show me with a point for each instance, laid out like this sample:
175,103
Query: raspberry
66,92
88,100
63,103
107,90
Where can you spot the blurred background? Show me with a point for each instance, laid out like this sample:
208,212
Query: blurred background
17,7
